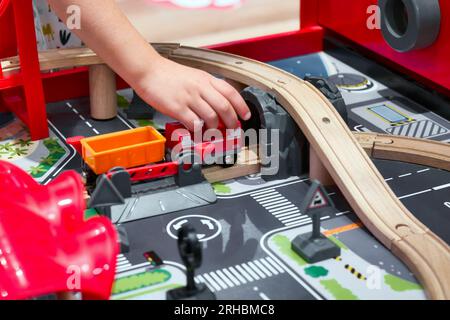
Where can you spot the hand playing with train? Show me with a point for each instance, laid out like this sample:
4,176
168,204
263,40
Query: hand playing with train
186,94
190,95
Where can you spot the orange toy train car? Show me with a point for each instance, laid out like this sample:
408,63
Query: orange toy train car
127,149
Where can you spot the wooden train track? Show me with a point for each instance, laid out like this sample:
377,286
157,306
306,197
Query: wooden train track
347,162
423,152
418,151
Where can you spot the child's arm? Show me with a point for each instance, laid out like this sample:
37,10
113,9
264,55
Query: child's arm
183,93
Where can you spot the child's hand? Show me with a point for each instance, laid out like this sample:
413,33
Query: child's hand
191,95
186,94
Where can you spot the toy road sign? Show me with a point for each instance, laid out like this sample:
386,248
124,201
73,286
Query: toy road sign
319,201
316,198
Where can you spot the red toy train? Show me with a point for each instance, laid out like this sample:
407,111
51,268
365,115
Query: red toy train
147,155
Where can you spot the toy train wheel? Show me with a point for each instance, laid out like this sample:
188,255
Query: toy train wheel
116,169
229,160
189,157
89,175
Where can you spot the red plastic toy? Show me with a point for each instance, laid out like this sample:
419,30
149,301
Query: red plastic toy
46,246
212,145
22,92
222,147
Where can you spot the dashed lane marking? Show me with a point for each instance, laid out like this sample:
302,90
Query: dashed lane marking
82,118
444,186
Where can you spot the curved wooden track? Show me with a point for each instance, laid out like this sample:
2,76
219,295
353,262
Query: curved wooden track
347,162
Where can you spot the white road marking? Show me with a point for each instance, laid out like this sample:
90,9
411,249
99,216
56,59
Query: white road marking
82,118
275,264
270,267
414,194
388,179
444,186
136,266
225,278
240,274
278,210
250,193
286,212
201,279
237,275
342,213
262,268
274,202
282,203
299,223
264,296
271,198
250,271
231,276
244,273
256,269
298,220
405,175
256,194
123,120
218,280
212,282
424,170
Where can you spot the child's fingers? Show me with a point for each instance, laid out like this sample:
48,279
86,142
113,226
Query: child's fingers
188,118
206,112
222,107
233,97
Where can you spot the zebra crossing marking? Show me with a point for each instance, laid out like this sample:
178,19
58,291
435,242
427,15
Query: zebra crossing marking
122,263
287,212
240,274
218,280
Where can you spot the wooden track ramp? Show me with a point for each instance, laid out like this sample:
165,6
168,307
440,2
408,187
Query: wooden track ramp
347,162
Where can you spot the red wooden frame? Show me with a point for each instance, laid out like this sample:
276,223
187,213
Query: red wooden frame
318,17
430,66
22,93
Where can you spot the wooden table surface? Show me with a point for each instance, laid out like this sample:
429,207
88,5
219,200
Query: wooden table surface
197,27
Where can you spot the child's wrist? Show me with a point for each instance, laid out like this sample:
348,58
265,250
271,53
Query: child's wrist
140,80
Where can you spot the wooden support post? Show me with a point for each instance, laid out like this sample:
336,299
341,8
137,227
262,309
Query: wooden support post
103,96
317,170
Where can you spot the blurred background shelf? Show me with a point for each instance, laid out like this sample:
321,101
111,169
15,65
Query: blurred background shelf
200,27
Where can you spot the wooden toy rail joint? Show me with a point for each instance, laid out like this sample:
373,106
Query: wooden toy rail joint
347,162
